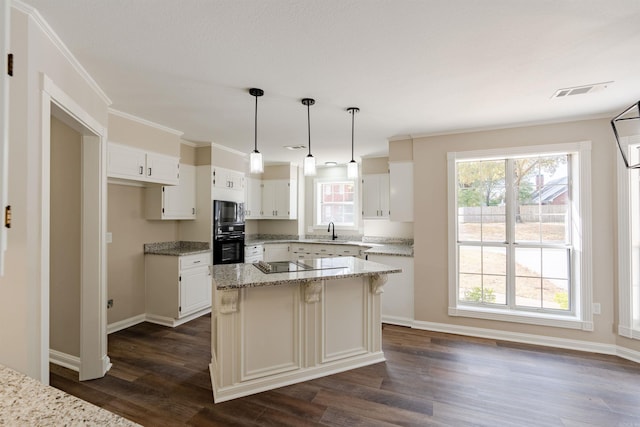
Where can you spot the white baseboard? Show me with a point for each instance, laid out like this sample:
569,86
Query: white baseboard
124,324
65,360
588,346
395,320
152,318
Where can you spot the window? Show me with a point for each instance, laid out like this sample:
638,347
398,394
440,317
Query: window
518,222
629,240
335,202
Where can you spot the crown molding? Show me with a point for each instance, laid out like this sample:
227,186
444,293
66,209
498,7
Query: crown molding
58,43
144,121
230,150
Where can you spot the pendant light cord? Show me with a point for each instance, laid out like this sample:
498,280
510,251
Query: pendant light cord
353,114
255,127
309,127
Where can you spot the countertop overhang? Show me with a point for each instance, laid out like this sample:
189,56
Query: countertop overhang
235,276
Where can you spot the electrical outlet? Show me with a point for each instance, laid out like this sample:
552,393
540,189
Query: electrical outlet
596,308
110,303
109,237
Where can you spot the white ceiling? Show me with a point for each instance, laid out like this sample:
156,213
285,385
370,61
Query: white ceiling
412,67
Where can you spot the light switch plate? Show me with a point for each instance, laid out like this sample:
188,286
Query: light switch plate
109,237
596,308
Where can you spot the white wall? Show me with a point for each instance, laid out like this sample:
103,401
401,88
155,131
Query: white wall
21,296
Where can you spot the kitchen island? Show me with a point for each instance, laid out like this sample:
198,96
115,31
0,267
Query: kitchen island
271,329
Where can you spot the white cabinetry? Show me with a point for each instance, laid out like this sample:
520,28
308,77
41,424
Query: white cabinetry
178,288
227,178
375,196
173,202
397,299
315,250
276,252
401,191
253,198
279,199
253,253
126,162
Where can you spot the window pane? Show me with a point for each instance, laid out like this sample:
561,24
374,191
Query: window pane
556,294
555,263
470,287
336,203
528,262
494,289
494,261
553,227
494,228
529,292
470,259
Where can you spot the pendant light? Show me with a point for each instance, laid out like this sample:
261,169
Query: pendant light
352,166
256,165
309,161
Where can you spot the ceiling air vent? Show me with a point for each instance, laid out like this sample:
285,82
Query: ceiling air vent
579,90
295,147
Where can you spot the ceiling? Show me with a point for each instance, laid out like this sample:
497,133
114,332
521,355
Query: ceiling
412,67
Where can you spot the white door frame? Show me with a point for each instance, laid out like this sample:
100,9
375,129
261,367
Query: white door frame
5,20
94,362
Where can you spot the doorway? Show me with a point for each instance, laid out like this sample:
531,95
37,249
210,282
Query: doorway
83,220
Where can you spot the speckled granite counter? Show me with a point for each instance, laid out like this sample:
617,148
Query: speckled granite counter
233,276
27,402
176,248
382,248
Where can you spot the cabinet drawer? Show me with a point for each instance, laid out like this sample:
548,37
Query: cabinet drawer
197,260
342,251
253,250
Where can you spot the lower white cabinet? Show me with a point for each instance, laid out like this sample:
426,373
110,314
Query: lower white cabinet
396,303
315,250
253,253
276,252
178,288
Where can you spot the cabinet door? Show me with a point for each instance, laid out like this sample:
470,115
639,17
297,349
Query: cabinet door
253,199
228,179
384,195
268,199
162,169
125,162
195,290
281,198
179,201
276,252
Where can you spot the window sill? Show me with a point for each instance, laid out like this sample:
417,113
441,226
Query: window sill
569,322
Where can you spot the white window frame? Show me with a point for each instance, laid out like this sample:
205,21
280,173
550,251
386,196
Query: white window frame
628,241
582,317
356,202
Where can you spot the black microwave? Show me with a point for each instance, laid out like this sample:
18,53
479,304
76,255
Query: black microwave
227,213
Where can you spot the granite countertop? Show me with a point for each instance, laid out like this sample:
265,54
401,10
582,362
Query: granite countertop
178,248
375,248
233,276
27,402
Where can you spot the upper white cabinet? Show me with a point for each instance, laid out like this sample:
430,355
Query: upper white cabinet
228,179
253,198
375,196
401,191
279,199
173,202
271,199
126,162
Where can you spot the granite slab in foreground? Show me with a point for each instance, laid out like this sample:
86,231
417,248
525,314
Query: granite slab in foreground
234,276
27,402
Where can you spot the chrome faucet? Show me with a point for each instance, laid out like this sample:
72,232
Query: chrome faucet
333,235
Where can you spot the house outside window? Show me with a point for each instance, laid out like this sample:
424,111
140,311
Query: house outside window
519,223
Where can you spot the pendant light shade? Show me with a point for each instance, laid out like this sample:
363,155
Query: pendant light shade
352,166
256,164
309,161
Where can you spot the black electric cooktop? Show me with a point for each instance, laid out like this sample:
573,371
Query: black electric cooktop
294,266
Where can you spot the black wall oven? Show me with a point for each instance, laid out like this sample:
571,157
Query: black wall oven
228,232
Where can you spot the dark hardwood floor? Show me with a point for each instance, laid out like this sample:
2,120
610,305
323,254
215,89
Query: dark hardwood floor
160,377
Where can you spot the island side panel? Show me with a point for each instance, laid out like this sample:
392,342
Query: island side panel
345,318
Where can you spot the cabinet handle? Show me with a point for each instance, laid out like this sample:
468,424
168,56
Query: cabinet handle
141,170
149,171
196,262
193,211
